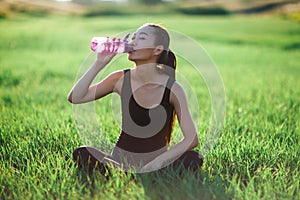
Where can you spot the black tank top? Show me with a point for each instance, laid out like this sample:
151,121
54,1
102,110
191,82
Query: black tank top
144,130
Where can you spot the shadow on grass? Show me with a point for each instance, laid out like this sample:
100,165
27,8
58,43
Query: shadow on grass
181,184
168,183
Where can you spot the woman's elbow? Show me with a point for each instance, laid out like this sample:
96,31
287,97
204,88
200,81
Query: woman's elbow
195,142
71,99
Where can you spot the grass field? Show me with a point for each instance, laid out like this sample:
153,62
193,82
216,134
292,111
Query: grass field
256,157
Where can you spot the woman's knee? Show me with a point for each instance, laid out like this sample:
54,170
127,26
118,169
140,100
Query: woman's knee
85,151
88,155
80,153
192,160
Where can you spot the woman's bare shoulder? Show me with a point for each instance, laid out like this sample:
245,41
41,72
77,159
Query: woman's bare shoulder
177,92
117,78
177,88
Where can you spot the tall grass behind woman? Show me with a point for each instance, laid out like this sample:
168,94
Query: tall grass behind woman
151,98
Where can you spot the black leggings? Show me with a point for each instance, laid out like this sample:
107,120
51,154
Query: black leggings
90,158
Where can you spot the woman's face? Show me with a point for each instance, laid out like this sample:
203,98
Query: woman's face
143,44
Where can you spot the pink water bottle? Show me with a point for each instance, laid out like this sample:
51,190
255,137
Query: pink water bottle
101,44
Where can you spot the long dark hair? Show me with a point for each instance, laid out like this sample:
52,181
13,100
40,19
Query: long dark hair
167,62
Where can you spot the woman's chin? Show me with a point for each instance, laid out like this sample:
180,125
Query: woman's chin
132,57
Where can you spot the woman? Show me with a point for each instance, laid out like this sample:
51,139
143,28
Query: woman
150,98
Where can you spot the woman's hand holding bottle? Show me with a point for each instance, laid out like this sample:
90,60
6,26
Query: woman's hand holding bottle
107,48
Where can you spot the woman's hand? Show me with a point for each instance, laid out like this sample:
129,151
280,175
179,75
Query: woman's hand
107,54
110,50
105,57
153,165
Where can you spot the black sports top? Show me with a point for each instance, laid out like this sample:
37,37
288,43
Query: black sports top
144,130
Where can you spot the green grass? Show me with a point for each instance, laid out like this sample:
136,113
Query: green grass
256,157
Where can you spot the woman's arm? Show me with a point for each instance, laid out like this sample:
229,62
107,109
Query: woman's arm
190,138
83,91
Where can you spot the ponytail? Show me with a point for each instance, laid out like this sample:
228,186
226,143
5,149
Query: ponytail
167,62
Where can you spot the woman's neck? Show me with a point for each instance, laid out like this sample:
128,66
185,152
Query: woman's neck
146,72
